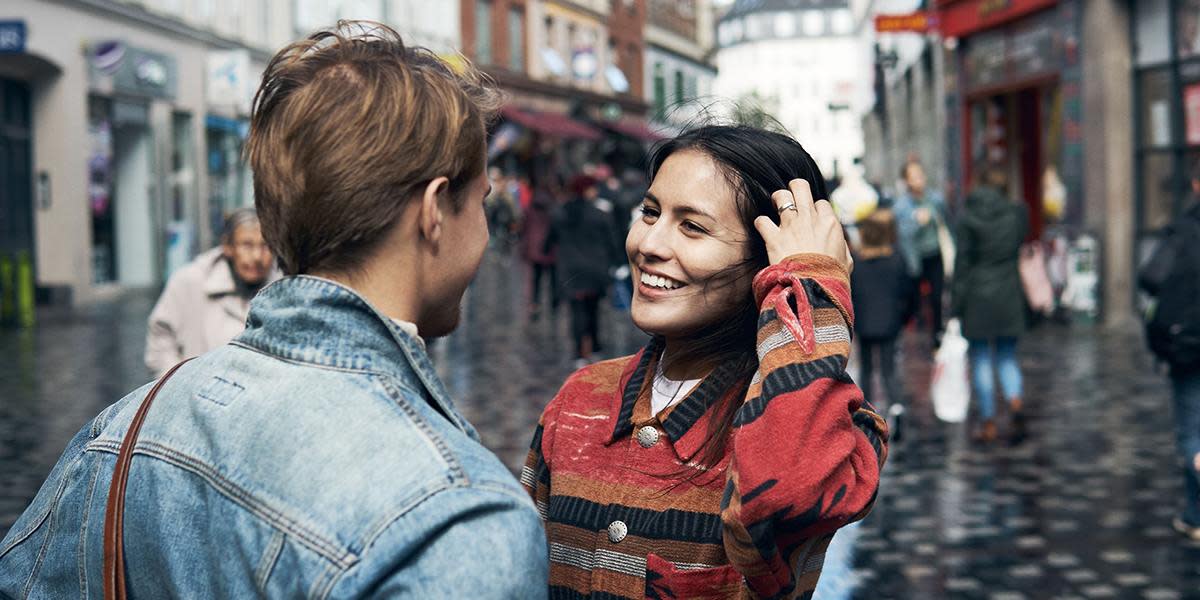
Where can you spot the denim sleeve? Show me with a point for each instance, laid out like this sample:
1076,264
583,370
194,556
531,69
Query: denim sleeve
465,542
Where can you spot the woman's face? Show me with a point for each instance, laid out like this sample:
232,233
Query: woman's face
684,249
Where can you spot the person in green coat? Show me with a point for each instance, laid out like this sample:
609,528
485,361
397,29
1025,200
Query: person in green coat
987,294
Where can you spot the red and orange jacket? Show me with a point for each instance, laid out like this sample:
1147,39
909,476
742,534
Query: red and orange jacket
627,515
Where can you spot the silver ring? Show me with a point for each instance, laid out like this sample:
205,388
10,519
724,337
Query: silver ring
788,206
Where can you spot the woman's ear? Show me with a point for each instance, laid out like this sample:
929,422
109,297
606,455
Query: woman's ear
431,217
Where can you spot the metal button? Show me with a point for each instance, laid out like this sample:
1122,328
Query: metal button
617,531
647,436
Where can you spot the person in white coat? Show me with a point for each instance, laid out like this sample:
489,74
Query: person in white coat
205,303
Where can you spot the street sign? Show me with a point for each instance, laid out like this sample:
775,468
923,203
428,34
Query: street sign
12,37
917,22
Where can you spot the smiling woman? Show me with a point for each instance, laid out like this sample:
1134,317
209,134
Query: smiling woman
719,461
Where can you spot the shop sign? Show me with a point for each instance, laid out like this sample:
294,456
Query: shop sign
917,22
969,16
12,37
1028,48
584,64
134,70
229,82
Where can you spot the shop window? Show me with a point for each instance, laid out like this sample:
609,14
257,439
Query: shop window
1157,183
483,31
1154,89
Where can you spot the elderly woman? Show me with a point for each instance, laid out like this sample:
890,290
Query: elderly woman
205,303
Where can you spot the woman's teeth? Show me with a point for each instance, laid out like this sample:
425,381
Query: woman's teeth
660,282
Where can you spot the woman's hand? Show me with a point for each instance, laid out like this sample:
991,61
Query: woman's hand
804,227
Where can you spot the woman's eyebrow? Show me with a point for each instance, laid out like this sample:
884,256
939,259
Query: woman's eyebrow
681,210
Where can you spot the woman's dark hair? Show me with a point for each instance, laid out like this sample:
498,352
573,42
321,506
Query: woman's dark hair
756,163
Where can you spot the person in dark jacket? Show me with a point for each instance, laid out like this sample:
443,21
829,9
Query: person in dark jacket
582,235
534,231
987,295
882,292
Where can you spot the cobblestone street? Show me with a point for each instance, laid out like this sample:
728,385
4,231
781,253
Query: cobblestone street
1080,509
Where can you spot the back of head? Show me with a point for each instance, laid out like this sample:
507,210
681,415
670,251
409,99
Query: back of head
878,231
347,126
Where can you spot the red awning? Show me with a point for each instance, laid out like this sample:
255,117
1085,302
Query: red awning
636,129
550,123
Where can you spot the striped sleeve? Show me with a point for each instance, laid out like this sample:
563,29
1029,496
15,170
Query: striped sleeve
535,475
806,452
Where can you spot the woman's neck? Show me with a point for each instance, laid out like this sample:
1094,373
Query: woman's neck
683,363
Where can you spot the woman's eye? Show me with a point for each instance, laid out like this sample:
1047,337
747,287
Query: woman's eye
649,213
694,228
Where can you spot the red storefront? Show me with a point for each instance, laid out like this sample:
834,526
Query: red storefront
1013,99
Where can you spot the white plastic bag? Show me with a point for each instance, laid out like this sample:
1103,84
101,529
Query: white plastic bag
950,388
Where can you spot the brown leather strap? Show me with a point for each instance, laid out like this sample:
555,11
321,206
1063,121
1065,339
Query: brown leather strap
114,512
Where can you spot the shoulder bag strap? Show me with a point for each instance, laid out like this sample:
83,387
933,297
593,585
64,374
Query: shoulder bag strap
114,512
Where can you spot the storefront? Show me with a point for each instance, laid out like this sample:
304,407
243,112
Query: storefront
1013,100
127,219
1166,41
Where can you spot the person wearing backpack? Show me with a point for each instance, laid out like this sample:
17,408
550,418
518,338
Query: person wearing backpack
1172,277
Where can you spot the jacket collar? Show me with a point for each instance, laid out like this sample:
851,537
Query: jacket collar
685,423
317,321
218,274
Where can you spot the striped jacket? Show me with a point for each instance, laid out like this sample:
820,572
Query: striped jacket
609,477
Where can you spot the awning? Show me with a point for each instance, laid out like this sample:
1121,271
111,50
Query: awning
550,123
636,129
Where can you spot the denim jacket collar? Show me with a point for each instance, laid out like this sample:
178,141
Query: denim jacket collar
313,320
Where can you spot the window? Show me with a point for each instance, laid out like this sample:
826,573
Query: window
1187,28
660,91
842,22
483,31
814,22
516,39
785,25
1157,202
1151,42
1154,89
679,91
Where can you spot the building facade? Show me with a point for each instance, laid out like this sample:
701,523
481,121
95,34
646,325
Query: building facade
127,124
679,74
802,60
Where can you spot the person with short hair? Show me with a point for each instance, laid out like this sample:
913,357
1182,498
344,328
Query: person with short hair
204,303
921,221
317,455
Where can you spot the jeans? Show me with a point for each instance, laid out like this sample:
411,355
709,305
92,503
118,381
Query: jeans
1187,432
887,365
989,356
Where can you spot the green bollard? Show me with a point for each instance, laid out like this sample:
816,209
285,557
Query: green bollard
25,289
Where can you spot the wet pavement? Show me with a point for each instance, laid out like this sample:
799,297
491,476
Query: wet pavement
1080,509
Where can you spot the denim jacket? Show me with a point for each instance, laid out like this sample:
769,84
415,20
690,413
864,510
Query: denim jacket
317,456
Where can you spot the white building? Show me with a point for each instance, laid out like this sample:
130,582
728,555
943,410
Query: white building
803,59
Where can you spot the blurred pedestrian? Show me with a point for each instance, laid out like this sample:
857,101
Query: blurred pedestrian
1172,277
585,249
882,292
733,261
318,455
921,220
501,209
987,295
535,230
204,303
